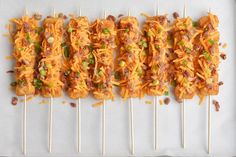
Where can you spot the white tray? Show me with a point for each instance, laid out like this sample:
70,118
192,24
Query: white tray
64,135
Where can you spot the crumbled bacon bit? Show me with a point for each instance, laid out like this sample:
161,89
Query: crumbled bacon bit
175,15
37,16
112,18
223,56
166,101
10,71
220,83
72,104
217,105
120,15
14,101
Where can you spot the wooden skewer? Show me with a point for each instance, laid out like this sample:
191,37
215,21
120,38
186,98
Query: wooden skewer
24,136
50,128
103,128
209,119
131,123
183,103
24,125
209,124
156,99
50,121
78,115
104,116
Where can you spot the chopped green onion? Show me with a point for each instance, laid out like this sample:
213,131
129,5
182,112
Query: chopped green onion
85,64
103,45
149,34
21,82
155,82
38,30
28,37
166,93
188,50
195,23
50,40
69,30
78,74
126,30
122,63
117,75
173,83
37,47
101,86
49,66
66,49
38,83
157,46
90,48
42,72
106,31
185,63
143,43
20,49
207,55
212,42
100,73
181,43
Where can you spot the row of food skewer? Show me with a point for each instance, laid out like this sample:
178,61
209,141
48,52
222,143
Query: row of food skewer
79,58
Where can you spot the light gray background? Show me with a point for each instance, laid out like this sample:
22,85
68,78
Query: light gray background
223,123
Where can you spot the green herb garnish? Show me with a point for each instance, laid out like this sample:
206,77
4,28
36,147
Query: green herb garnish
42,72
78,74
212,42
37,47
173,83
166,93
207,55
28,37
21,82
106,31
38,83
143,43
69,30
126,30
181,43
195,23
117,75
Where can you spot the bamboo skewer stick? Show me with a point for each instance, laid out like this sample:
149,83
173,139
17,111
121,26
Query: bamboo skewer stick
24,136
50,124
209,124
104,116
104,128
131,123
156,99
24,125
78,115
183,103
209,119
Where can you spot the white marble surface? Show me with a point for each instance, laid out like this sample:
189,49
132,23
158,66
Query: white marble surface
223,122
